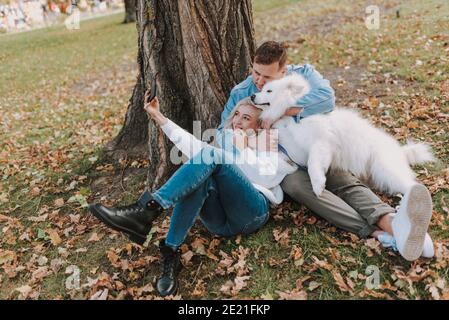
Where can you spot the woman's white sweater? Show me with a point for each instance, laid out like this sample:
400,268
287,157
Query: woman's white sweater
265,170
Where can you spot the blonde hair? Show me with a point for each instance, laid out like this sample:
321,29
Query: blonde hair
243,102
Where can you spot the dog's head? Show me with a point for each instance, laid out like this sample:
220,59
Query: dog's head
279,95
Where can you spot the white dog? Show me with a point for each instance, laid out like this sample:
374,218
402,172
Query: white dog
340,139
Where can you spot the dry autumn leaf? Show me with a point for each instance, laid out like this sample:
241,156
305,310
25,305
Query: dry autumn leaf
25,291
292,295
186,257
340,282
445,89
6,256
232,288
54,237
94,238
200,289
283,237
59,202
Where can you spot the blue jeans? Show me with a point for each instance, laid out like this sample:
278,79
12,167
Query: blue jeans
220,194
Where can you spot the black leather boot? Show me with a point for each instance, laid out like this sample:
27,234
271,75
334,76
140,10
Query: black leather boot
167,283
134,220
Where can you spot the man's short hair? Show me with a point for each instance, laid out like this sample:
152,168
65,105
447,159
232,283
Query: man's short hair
270,52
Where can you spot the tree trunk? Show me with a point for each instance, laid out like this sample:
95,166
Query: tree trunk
132,140
199,50
130,11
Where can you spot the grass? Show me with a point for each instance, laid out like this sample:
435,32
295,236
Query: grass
262,6
55,56
64,94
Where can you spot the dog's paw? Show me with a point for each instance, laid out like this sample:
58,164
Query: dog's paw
318,191
318,186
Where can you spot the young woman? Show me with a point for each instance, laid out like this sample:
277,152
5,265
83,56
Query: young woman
229,189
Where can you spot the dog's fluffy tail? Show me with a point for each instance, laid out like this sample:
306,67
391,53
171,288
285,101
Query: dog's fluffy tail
418,153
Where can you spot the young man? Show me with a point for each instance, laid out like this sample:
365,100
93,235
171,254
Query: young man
346,202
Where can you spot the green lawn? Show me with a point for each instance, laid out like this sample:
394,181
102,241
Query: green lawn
63,95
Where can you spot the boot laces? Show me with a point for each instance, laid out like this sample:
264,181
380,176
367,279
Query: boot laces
129,208
168,264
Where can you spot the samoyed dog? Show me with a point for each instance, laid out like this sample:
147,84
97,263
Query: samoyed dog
341,140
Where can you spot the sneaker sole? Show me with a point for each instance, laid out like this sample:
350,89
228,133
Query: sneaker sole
133,236
419,211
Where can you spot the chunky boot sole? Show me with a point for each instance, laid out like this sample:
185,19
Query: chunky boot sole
132,235
171,292
419,211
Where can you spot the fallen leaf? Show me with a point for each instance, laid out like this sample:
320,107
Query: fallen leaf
373,244
25,291
59,202
39,274
4,198
55,264
282,237
198,246
292,295
313,285
4,218
113,258
186,257
35,191
100,295
41,218
435,293
212,245
200,289
321,263
7,256
224,264
412,125
267,296
94,238
232,288
340,282
445,89
296,253
54,237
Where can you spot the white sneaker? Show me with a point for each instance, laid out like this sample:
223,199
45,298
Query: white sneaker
388,241
411,222
428,251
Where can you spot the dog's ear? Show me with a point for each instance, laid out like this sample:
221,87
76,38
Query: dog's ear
296,88
299,87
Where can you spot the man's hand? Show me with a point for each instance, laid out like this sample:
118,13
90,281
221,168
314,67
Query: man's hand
240,139
266,124
293,111
265,140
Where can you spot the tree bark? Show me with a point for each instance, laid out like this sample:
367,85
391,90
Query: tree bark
199,50
130,11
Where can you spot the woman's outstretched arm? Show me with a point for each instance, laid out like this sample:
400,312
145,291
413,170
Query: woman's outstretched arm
183,140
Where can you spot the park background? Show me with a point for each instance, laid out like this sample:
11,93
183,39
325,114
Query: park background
64,95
